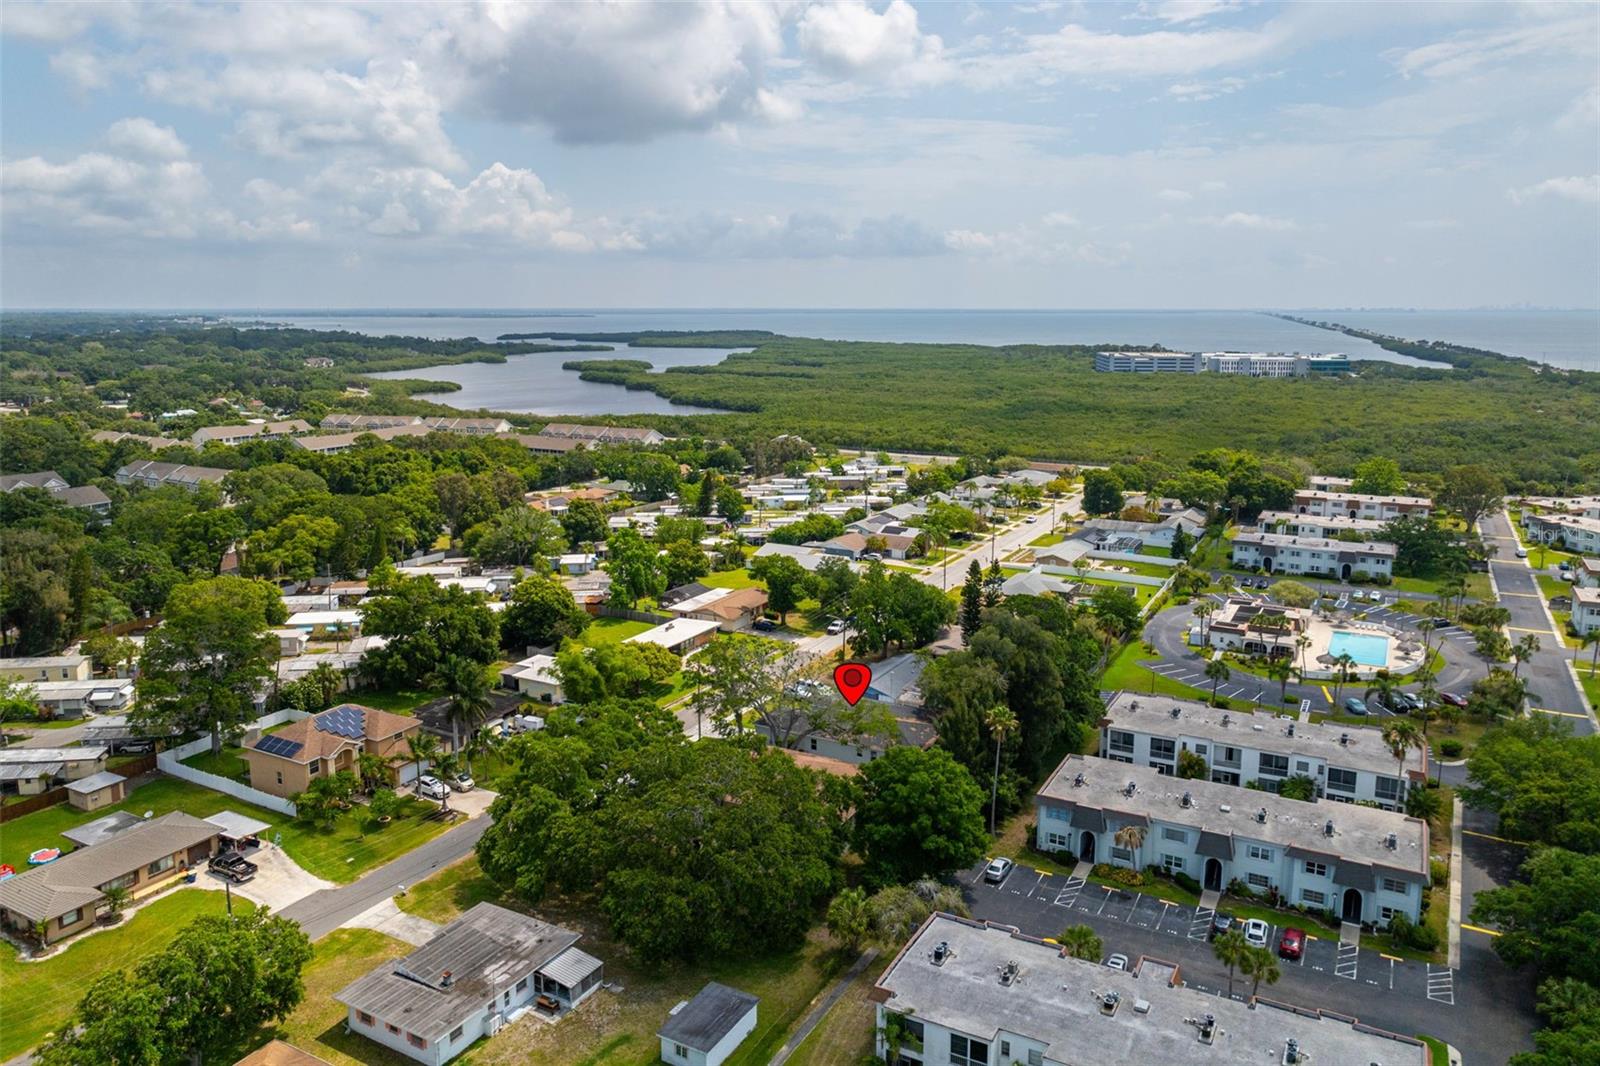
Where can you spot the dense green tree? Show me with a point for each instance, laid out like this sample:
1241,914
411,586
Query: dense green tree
1102,492
1293,593
1549,919
631,562
293,548
201,538
584,522
1543,782
541,613
920,814
811,527
1081,942
786,581
848,918
517,536
1378,476
424,624
1192,765
684,563
730,676
652,476
971,602
730,504
466,688
1572,1035
1472,490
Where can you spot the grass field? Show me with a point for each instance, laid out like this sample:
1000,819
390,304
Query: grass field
1124,672
620,1027
611,631
731,579
317,1024
341,854
230,763
844,1036
1142,594
40,996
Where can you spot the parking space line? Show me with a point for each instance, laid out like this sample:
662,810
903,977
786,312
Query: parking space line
1166,906
1036,884
1103,903
1200,924
1441,985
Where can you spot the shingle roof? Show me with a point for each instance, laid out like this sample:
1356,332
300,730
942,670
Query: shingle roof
318,737
711,1015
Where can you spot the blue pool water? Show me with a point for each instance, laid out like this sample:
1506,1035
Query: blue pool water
1368,649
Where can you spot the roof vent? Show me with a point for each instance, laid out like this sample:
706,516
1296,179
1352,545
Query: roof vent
1327,828
1226,718
1258,727
1109,1002
1177,712
941,952
1130,788
446,980
1344,739
1008,973
1261,815
1077,781
1208,1029
1291,1052
1290,730
1391,841
1188,800
1225,808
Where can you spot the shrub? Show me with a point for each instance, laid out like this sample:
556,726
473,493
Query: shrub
1186,882
1405,931
1440,871
1450,749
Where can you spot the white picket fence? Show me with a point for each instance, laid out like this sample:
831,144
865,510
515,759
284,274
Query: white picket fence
171,762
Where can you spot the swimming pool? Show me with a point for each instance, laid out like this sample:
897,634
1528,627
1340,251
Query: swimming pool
1367,649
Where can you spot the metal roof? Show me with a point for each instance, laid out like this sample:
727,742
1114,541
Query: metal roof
28,770
571,967
235,825
102,829
711,1015
95,782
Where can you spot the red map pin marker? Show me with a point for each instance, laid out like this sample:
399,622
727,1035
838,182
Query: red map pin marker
852,680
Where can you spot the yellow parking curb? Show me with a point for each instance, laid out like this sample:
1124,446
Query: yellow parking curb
1041,873
1391,958
1480,929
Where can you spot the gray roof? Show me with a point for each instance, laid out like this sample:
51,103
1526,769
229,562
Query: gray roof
1360,834
94,782
484,951
711,1015
1215,846
83,496
73,880
571,967
1343,548
27,771
14,756
36,480
235,825
102,829
1056,1000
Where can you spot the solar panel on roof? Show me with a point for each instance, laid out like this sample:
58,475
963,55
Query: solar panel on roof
345,720
279,746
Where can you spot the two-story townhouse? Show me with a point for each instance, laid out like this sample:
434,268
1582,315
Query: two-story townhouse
1326,526
154,475
1578,532
1349,764
1585,610
1586,572
1279,554
972,993
232,436
1361,505
1360,864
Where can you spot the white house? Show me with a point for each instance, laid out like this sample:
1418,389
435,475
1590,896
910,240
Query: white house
70,699
1328,526
576,562
1586,609
681,635
1276,553
1360,864
1578,532
1349,764
976,994
478,973
705,1030
534,677
1360,505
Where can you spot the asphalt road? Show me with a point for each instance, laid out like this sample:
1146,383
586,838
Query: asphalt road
1483,1008
1551,686
322,912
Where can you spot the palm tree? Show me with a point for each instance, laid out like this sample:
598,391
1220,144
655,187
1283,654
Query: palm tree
1522,651
1401,736
1081,942
1218,672
1344,662
1001,723
1231,950
1131,837
116,897
1385,685
1259,965
1280,670
467,686
373,770
1301,643
424,748
1203,610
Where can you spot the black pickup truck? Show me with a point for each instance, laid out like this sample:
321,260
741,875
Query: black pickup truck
233,866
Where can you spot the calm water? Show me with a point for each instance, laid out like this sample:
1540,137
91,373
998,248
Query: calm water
1560,338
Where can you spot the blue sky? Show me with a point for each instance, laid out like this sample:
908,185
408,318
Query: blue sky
1205,153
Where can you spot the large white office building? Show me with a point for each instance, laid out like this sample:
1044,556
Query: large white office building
1359,863
1349,764
968,993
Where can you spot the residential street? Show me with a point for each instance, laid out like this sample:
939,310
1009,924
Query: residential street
1551,687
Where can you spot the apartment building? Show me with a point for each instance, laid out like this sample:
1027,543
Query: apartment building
347,423
1359,505
606,434
1585,609
154,475
472,427
1350,764
1276,553
973,993
1577,532
1329,483
1587,506
1360,863
1147,362
542,444
1248,364
236,435
1327,527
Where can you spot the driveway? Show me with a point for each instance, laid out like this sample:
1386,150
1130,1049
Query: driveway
1482,1007
279,880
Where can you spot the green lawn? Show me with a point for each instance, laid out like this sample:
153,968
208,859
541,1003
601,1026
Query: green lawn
731,579
230,763
341,854
1046,541
1142,594
399,701
40,996
611,631
1156,550
1134,566
317,1024
1124,672
1591,684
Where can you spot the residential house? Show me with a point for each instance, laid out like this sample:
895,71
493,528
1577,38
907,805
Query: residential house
97,790
344,422
48,668
1328,526
1276,553
1359,863
901,727
680,636
809,558
344,622
30,771
854,545
606,434
154,475
466,982
64,896
1585,609
72,699
88,497
705,1030
286,762
1576,532
1349,764
575,563
678,593
1113,534
47,480
1359,505
334,443
534,677
291,642
1037,583
974,993
732,609
236,435
1329,483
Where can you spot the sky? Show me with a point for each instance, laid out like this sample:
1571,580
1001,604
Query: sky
1182,154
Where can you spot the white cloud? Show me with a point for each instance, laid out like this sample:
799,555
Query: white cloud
1060,218
848,37
1176,196
1584,190
111,194
1180,11
1474,50
1077,51
1247,220
83,68
143,138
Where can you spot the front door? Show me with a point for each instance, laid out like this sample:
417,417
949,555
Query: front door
1352,905
1214,875
1086,847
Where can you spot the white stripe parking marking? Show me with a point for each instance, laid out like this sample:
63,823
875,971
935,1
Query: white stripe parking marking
1069,892
1200,924
1442,985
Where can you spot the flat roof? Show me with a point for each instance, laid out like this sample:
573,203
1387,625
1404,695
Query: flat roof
675,632
1361,749
1334,521
16,756
1359,833
1284,540
235,825
712,1014
1364,497
102,829
1058,1001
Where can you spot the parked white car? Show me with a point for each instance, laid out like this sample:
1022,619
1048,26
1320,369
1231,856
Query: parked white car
430,787
1256,932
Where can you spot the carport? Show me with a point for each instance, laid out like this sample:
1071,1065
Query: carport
236,827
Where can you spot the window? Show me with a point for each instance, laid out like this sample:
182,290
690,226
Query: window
967,1052
1177,835
1120,740
71,918
1005,1049
395,1029
1200,749
125,881
315,765
161,865
679,1051
280,777
1386,788
1341,780
1059,814
1258,880
1316,899
363,1017
813,743
522,985
1160,767
1035,1058
1162,748
1387,914
455,1034
1274,765
1053,839
1172,862
1317,869
415,1041
1119,758
1302,767
1391,885
1259,853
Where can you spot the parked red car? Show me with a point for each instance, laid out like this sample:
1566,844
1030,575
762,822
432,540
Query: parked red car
1453,699
1292,943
